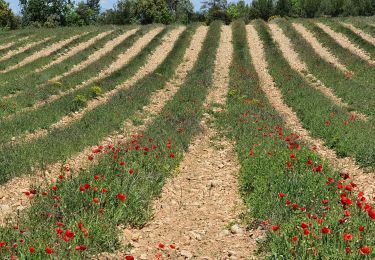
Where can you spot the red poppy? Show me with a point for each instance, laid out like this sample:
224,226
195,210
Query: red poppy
81,248
292,156
69,233
361,228
309,162
96,200
96,177
131,171
348,187
347,250
347,236
172,155
325,201
172,246
326,230
49,250
306,232
304,225
129,257
121,196
104,190
365,250
281,195
275,228
289,165
31,249
161,246
2,243
294,238
90,158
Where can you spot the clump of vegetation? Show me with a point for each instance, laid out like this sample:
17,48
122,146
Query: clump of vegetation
78,102
96,91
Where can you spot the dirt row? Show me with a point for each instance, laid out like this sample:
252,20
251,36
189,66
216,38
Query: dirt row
12,199
344,42
76,49
43,53
365,180
359,32
322,51
122,60
10,44
107,48
301,67
199,205
22,49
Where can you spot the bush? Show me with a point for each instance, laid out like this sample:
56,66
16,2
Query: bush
79,102
96,91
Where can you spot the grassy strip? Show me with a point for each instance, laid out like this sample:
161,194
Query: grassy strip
318,114
363,72
279,197
54,39
359,100
150,169
360,24
39,89
52,112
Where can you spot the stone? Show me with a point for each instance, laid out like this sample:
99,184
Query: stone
236,229
186,254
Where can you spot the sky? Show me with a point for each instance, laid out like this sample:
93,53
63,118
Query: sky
105,4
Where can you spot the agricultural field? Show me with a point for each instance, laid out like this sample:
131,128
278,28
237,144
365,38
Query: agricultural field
240,141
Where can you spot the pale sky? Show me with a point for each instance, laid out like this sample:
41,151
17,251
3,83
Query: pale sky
106,4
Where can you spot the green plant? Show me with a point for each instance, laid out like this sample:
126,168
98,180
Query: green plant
96,91
79,102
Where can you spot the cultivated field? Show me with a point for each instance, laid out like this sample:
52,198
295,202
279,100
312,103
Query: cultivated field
189,142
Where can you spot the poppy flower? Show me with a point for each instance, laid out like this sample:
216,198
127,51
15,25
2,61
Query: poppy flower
347,250
304,225
131,171
90,157
172,246
96,177
172,155
96,200
69,233
49,250
31,249
347,236
161,246
281,195
361,228
292,156
129,257
264,222
306,232
309,162
2,243
81,248
289,165
294,238
365,250
326,230
275,228
121,196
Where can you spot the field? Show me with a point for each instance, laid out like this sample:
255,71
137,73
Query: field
189,142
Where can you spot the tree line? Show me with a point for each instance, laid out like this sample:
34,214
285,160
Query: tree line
52,13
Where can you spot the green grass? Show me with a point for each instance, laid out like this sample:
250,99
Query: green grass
363,72
52,112
184,110
263,147
315,110
360,100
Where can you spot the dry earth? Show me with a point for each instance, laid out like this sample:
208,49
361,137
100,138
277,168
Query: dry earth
10,44
359,32
346,43
200,203
76,49
322,51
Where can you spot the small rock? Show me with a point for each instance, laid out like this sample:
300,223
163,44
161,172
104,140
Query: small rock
4,208
13,139
186,254
231,253
236,229
143,257
224,233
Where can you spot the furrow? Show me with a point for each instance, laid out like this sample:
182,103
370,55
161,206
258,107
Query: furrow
121,60
43,53
10,44
346,43
297,64
107,48
359,32
366,181
11,196
323,52
154,61
80,47
22,49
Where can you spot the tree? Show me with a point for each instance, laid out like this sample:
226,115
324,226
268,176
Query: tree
94,5
332,7
7,18
215,10
310,8
184,11
239,10
261,9
283,7
153,11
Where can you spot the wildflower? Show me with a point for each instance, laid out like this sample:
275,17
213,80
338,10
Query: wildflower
90,158
328,123
275,228
69,233
96,200
294,238
131,171
292,156
347,236
172,246
348,187
161,246
281,195
347,250
325,201
304,225
306,232
172,155
309,162
364,250
295,206
361,228
326,230
31,249
2,244
121,196
129,257
96,177
61,177
81,248
49,250
264,222
289,165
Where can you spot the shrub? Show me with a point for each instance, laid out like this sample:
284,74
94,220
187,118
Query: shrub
78,102
96,91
